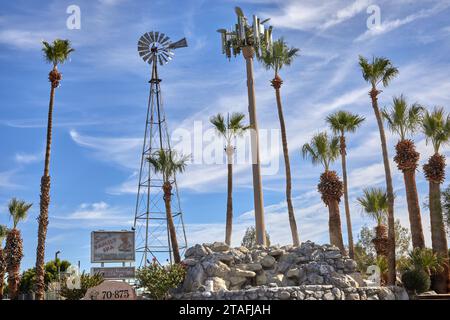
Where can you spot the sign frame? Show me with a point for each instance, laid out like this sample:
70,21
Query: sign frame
93,260
95,270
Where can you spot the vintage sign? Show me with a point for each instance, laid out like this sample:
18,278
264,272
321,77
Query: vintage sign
111,290
112,246
115,272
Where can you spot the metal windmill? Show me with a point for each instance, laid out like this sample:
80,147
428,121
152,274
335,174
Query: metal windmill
150,222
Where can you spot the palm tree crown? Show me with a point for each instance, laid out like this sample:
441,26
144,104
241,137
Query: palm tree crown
168,163
57,52
436,127
374,202
322,149
18,209
403,119
344,121
279,55
230,127
380,70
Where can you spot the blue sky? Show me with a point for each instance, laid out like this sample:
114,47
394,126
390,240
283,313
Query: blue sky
100,108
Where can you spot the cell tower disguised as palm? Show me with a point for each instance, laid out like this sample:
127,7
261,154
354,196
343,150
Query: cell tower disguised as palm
250,40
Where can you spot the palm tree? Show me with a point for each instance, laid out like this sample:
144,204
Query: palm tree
374,203
323,150
167,163
381,70
275,58
342,122
56,53
3,234
229,129
404,120
436,126
18,211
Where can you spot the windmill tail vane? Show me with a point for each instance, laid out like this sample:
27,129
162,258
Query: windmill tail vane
242,34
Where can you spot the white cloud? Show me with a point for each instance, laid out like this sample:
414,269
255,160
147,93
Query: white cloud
27,158
94,215
121,151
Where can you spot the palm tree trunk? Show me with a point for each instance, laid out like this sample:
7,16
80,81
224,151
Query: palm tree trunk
276,83
381,240
256,166
438,237
44,204
229,223
415,220
167,188
392,275
334,225
2,272
351,249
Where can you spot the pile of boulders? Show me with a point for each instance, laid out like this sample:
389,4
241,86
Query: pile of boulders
217,268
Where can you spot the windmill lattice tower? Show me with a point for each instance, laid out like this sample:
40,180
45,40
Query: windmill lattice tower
150,221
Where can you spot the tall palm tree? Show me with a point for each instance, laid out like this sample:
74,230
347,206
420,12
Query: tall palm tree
18,211
404,120
3,234
275,58
374,203
56,53
167,163
341,122
229,129
436,126
381,70
323,151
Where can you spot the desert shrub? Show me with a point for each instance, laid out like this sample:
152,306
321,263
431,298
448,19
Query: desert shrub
416,280
87,281
158,280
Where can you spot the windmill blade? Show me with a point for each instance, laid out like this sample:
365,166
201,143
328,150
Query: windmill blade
156,36
144,40
151,36
146,37
179,44
164,40
163,58
161,36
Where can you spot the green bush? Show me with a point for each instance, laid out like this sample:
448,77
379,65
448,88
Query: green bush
87,281
416,280
158,280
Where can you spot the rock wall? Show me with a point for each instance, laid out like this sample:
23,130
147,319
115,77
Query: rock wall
307,292
310,271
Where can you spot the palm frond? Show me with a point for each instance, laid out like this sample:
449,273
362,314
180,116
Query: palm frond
18,210
436,127
321,149
380,70
57,52
168,163
374,203
402,118
344,121
278,55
